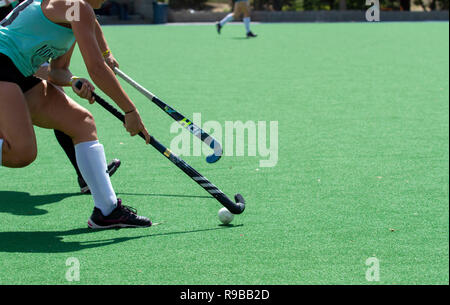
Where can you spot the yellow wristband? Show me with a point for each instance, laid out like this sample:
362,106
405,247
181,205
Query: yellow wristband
106,53
72,79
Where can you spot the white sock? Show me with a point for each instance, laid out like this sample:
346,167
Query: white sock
247,23
1,144
227,18
92,163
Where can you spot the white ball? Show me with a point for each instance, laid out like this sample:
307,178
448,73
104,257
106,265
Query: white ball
225,216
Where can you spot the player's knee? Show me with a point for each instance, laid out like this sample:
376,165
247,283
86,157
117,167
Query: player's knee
28,158
80,126
87,128
87,120
22,154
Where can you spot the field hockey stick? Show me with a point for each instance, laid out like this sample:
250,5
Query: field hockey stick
234,207
185,122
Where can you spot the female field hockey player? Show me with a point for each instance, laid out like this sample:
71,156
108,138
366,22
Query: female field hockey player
38,31
64,140
241,7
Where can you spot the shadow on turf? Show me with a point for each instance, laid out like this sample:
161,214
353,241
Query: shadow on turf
24,204
52,241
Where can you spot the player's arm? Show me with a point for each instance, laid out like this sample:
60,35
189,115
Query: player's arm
98,70
104,48
100,73
59,73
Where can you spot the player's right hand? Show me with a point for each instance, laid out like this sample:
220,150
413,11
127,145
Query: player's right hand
85,91
133,124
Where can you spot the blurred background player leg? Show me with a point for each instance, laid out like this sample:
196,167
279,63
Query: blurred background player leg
222,22
67,145
241,7
245,9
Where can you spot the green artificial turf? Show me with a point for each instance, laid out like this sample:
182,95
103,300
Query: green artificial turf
362,171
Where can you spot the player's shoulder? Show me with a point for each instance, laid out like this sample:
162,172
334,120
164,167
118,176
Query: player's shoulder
72,10
81,5
67,11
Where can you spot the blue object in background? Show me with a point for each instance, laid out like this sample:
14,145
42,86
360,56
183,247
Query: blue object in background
160,12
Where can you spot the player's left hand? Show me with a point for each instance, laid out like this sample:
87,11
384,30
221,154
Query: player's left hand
111,62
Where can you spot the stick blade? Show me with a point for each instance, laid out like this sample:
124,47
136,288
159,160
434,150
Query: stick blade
213,158
217,152
239,198
240,202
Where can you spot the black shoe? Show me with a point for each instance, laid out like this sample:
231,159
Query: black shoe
121,217
84,188
219,27
250,34
111,169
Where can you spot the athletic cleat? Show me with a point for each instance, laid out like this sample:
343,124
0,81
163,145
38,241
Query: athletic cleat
121,217
111,170
250,34
84,188
112,167
219,27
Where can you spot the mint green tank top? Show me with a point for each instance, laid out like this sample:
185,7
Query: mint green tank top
30,39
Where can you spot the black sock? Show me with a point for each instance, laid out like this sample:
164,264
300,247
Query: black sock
66,143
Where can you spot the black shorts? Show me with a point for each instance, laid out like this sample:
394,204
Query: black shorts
10,73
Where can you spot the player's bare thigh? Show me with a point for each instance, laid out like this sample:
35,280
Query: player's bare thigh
16,129
51,108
